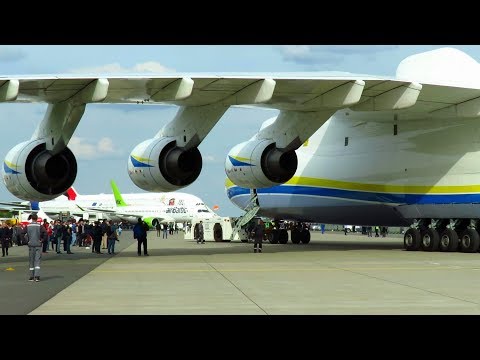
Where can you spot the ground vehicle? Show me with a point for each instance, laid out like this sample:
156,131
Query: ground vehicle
352,228
217,229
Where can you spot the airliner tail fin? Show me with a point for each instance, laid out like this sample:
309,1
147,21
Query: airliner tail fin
116,193
71,193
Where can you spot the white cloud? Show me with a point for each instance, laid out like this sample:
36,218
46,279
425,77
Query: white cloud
105,145
356,49
8,54
84,150
327,54
295,50
209,158
151,66
146,67
306,54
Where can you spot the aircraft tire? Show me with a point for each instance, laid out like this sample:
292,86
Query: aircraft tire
448,240
411,239
305,237
295,235
469,241
283,236
273,237
430,240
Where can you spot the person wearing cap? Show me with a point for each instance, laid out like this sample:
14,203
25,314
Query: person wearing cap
36,235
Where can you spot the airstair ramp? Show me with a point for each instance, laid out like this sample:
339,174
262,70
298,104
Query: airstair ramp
251,210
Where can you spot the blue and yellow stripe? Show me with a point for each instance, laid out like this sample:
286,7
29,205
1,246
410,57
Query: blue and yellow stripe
380,193
139,161
10,168
239,161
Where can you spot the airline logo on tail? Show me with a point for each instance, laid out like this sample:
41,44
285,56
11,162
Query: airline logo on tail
71,194
116,193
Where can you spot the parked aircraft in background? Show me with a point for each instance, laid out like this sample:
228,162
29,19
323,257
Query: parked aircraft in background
153,208
63,204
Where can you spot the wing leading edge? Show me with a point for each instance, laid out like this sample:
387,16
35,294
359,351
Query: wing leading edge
283,93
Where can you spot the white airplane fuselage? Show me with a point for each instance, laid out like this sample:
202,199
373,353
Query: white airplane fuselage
354,171
176,207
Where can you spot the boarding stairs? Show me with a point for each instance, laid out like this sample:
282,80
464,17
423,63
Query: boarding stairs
250,211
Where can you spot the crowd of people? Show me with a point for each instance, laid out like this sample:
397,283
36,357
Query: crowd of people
60,236
167,229
63,234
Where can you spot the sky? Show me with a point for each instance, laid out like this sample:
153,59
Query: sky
107,133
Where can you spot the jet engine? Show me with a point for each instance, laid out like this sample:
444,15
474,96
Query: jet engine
259,164
33,173
158,165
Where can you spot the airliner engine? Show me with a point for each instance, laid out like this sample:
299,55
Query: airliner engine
33,173
260,164
160,165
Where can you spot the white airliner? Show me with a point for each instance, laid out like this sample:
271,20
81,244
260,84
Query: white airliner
153,208
350,149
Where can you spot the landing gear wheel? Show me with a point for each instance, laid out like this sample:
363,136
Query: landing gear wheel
273,239
448,240
305,237
296,236
411,239
430,240
469,241
283,236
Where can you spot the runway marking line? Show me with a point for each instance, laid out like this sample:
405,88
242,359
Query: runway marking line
287,269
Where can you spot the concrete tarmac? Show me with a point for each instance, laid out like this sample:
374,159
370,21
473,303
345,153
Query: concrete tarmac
58,271
334,274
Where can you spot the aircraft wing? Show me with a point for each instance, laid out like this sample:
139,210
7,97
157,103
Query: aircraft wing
285,92
14,205
50,212
96,209
122,214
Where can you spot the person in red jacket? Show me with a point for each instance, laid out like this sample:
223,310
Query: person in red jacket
47,227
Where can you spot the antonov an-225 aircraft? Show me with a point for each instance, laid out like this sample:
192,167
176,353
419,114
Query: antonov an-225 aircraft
355,149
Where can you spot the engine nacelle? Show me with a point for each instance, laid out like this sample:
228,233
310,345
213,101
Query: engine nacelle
259,164
31,172
158,165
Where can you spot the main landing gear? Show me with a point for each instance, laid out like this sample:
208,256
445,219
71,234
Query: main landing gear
299,233
443,235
